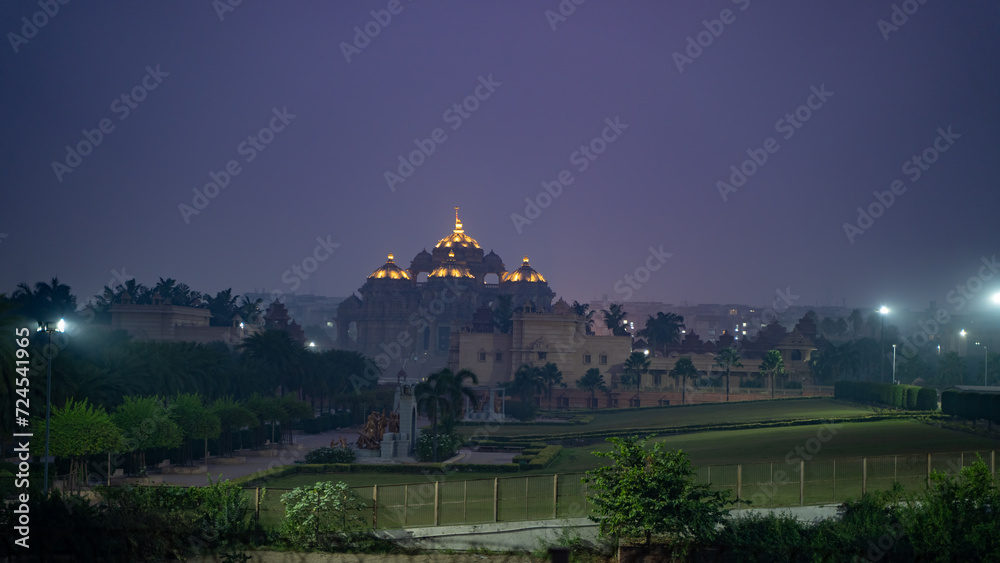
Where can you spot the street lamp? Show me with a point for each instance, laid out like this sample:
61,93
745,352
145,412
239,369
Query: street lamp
893,364
46,327
883,310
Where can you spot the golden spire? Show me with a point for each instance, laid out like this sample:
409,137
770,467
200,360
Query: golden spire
390,257
458,222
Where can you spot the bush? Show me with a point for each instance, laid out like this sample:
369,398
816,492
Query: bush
765,537
448,445
331,455
792,385
927,399
521,410
324,515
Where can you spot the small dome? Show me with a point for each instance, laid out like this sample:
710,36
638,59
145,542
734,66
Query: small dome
389,271
492,263
451,269
525,273
457,237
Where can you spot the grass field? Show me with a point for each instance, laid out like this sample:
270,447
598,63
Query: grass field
712,413
833,470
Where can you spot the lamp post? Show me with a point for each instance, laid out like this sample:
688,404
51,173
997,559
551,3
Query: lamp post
46,327
893,364
883,310
986,365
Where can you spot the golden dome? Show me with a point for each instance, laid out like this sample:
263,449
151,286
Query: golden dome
524,273
451,269
457,237
389,271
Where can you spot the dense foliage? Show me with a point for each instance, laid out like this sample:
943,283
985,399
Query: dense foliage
970,405
331,455
646,492
907,397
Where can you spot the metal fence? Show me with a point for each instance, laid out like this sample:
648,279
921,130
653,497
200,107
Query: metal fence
792,482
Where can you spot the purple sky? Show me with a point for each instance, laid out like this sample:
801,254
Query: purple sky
323,174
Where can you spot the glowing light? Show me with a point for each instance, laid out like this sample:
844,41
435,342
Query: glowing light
883,310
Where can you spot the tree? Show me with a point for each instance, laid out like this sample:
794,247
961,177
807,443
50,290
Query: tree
951,370
645,492
662,330
727,359
583,310
684,368
77,430
635,366
526,384
46,303
856,320
551,376
592,381
440,397
772,365
195,420
503,313
145,424
615,319
232,416
282,359
317,515
223,307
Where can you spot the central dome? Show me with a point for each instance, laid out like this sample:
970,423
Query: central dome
457,238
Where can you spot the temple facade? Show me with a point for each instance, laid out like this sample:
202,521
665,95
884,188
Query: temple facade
405,318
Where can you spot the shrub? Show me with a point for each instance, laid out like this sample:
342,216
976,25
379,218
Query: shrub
765,537
927,399
322,515
448,445
331,455
793,385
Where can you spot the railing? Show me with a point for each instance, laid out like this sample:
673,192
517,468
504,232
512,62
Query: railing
545,497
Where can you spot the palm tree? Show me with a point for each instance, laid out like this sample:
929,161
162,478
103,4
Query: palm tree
584,310
727,359
281,357
526,384
773,365
440,397
223,307
684,368
662,330
614,319
855,319
592,381
636,364
249,309
551,376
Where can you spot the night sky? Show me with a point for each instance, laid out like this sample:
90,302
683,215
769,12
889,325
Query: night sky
341,108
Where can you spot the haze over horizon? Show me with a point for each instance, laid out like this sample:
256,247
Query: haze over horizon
821,108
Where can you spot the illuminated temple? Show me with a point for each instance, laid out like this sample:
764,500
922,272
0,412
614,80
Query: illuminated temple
410,319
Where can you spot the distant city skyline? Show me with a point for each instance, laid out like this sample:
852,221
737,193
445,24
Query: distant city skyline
711,152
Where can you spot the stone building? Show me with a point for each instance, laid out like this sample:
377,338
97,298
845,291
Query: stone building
404,318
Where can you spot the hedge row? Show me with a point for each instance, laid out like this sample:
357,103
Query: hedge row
907,397
971,405
667,430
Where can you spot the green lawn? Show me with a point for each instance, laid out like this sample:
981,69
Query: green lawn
712,413
833,473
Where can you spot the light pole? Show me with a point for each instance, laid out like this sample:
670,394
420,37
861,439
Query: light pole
986,365
893,364
883,310
60,327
